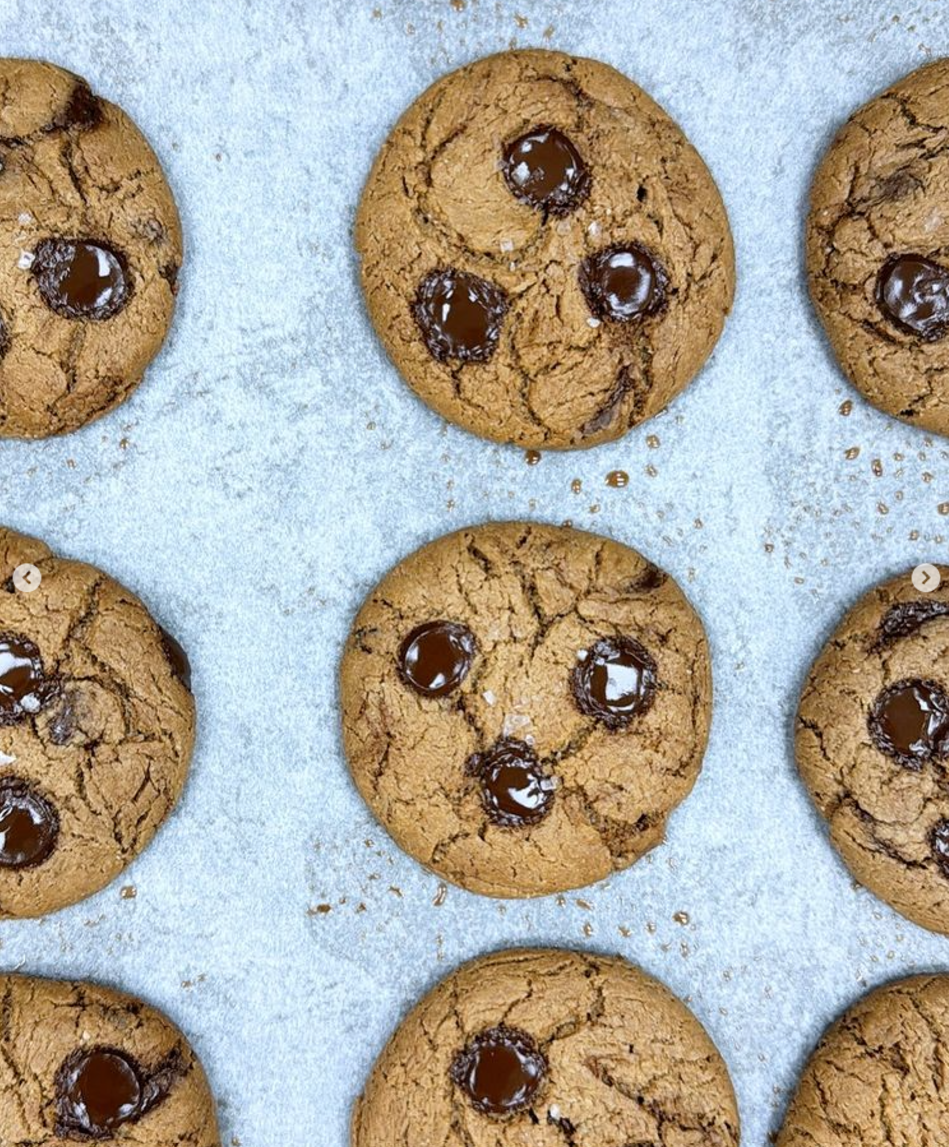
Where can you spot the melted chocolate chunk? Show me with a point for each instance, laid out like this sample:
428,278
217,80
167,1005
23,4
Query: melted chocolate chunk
97,1091
81,279
909,722
460,316
176,658
615,681
515,790
29,825
83,109
913,293
623,283
544,170
939,842
436,657
501,1070
24,688
905,617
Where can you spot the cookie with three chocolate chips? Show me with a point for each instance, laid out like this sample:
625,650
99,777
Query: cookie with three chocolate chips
876,1077
81,1063
544,255
548,1047
878,248
91,246
525,705
96,729
873,745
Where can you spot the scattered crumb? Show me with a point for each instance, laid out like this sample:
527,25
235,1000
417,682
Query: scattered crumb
319,910
128,892
681,917
653,442
617,479
576,485
851,453
440,894
532,457
845,408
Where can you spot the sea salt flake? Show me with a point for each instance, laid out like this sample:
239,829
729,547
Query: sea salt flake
26,260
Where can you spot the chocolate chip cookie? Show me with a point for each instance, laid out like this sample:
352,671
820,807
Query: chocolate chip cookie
96,729
91,246
548,1048
545,257
873,745
525,705
80,1063
878,248
877,1075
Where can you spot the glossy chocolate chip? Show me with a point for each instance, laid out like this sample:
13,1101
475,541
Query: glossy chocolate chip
436,657
501,1070
97,1090
81,279
83,110
623,283
29,825
176,658
24,688
460,316
544,170
515,790
615,681
913,293
939,842
909,722
905,617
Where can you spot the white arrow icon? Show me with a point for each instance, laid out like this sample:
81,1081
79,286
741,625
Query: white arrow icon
926,578
27,577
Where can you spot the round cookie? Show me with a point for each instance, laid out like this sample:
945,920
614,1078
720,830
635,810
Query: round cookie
80,1063
545,257
549,1048
525,705
90,247
878,248
873,745
96,729
877,1076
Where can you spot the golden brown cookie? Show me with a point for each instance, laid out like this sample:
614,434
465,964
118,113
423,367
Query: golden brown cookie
525,705
549,1048
876,1079
96,729
544,255
90,244
878,248
873,745
80,1064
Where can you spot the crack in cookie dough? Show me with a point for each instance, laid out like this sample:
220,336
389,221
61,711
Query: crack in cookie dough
880,193
50,1029
440,197
625,1062
877,1077
533,598
75,167
883,808
108,744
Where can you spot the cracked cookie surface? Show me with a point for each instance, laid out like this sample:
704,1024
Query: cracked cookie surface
877,1077
96,729
879,196
538,739
80,1063
91,247
527,172
872,744
614,1059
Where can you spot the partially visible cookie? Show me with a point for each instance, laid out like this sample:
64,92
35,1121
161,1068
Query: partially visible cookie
96,729
90,248
544,255
873,745
80,1063
549,1048
876,1078
525,705
878,248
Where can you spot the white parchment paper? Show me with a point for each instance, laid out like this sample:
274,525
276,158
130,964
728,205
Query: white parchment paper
273,467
